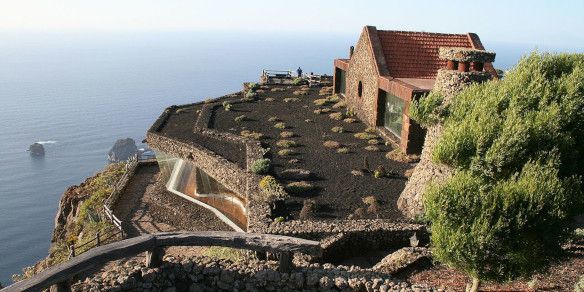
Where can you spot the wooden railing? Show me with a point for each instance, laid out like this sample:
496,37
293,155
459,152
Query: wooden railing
60,275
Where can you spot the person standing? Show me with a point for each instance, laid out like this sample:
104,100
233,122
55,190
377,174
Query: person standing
299,71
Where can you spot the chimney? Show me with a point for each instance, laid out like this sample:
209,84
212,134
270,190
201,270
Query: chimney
465,59
351,51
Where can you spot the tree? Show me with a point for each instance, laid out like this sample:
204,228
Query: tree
516,146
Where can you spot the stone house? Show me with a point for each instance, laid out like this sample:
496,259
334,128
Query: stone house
387,70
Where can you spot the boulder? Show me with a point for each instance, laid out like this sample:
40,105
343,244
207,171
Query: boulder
122,150
36,149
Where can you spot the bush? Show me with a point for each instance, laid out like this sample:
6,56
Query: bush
338,129
333,98
252,86
343,150
299,81
227,106
280,125
308,210
340,104
350,120
273,119
299,187
373,206
286,134
240,119
291,99
428,110
517,146
331,144
269,183
322,110
251,135
286,143
286,152
321,101
277,89
365,136
337,116
251,95
301,92
261,166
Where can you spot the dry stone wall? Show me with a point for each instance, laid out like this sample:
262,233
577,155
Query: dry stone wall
205,274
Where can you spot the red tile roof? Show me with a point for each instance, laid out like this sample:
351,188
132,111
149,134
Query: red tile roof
415,54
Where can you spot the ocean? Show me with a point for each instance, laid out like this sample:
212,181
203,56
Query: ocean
77,93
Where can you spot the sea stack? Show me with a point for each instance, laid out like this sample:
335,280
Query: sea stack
36,150
122,150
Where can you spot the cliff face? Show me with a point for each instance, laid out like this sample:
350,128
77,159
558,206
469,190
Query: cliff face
68,211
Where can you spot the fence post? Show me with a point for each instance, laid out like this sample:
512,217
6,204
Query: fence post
97,239
285,262
72,251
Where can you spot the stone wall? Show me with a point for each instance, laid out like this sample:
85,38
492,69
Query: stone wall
363,68
205,274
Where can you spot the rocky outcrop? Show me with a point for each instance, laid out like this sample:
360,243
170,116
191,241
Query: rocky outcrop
205,274
36,150
122,150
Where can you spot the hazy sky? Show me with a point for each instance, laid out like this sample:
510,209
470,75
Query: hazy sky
545,23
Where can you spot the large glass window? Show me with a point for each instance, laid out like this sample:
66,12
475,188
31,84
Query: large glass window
393,116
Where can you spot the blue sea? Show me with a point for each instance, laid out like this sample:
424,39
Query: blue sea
77,93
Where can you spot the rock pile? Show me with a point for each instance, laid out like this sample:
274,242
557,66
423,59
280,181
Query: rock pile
205,274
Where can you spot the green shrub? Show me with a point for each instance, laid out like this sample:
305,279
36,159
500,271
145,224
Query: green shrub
280,125
286,152
269,183
343,150
240,119
331,144
321,101
251,95
251,134
299,81
365,136
337,129
253,86
286,134
286,143
227,106
337,116
299,187
279,219
428,110
517,146
261,166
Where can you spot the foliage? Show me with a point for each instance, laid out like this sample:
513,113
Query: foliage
271,190
273,119
299,81
261,166
240,119
286,134
224,253
299,187
268,183
333,98
350,120
301,92
343,150
321,101
252,86
286,152
331,144
365,136
286,143
516,146
308,210
226,106
372,148
291,99
428,110
280,125
251,134
337,129
337,116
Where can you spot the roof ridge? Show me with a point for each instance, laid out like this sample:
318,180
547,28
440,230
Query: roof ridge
424,32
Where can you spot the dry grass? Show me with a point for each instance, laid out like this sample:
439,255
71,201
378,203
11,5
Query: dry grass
337,116
331,144
286,134
338,129
251,135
